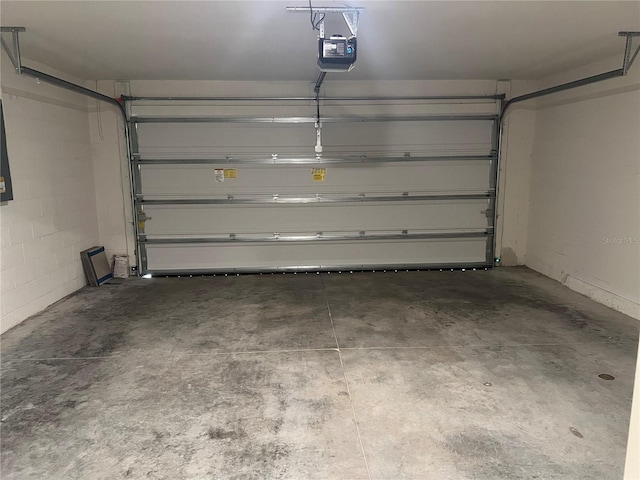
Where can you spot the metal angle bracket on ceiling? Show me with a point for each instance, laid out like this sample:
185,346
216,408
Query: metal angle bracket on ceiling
13,52
351,15
628,57
351,19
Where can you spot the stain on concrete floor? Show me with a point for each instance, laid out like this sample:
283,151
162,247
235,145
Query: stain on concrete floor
426,375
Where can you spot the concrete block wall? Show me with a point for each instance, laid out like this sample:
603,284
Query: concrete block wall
584,214
53,214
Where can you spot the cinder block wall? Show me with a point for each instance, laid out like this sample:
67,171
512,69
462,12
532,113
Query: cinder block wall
53,214
584,216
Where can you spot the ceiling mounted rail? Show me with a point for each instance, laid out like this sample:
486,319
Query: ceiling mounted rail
73,87
627,61
14,56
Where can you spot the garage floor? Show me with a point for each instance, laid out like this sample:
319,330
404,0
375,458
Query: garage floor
430,375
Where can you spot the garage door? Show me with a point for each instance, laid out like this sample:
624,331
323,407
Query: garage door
235,185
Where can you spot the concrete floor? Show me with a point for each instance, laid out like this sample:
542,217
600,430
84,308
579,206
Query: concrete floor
429,375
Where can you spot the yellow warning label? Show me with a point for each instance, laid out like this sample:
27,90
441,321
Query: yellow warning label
230,173
3,187
318,174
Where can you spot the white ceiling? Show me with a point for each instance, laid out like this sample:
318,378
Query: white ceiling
259,40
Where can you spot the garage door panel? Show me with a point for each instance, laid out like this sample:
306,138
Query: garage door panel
227,257
415,137
244,219
393,185
462,137
180,140
306,108
432,176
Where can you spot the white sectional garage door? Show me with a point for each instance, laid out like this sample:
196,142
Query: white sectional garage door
235,186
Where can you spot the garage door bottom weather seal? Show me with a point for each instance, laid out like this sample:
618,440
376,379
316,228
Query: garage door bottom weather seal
305,269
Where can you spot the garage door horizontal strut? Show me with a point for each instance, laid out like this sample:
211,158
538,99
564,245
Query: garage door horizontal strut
313,120
277,199
312,99
320,237
275,159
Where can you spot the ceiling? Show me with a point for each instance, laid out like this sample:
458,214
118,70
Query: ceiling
259,40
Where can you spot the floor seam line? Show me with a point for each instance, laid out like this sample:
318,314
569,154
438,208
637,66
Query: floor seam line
257,352
43,359
346,382
426,347
175,353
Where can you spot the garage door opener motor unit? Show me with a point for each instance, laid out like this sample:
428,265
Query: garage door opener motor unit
336,53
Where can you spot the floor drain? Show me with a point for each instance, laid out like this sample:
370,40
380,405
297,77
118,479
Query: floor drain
606,376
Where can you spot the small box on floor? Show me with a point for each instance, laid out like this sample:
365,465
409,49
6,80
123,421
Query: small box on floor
96,267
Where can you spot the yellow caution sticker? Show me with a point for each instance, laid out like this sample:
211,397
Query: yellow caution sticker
3,187
318,174
230,173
